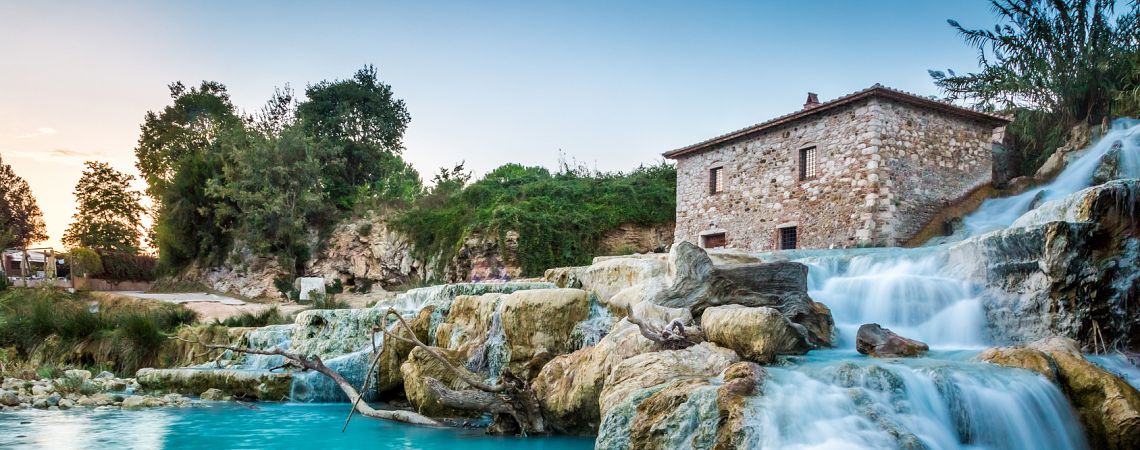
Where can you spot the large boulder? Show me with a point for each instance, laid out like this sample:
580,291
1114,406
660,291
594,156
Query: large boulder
698,284
874,340
538,325
690,412
419,367
756,334
651,369
1108,407
389,376
569,386
1062,268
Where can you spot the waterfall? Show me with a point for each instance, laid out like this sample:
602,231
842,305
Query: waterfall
999,213
834,401
266,338
588,332
313,387
905,290
494,354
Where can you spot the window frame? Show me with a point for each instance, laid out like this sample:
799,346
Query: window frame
716,180
803,160
706,238
781,237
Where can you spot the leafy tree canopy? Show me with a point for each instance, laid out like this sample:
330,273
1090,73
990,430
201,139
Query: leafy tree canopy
1067,57
108,215
363,119
21,221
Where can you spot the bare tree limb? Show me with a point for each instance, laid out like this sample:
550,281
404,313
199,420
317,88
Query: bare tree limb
315,363
417,342
674,336
511,397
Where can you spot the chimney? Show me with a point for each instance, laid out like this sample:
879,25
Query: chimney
812,101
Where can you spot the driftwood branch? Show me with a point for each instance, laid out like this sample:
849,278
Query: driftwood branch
673,337
511,397
315,363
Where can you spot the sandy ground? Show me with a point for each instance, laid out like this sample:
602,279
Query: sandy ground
212,306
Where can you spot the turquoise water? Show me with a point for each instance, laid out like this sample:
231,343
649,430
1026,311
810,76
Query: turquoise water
227,425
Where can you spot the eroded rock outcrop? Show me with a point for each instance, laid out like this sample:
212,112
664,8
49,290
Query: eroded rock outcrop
697,284
419,367
874,340
756,334
389,376
569,386
538,325
1108,407
694,412
251,385
1067,268
651,369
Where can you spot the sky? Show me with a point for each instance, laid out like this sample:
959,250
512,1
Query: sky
611,84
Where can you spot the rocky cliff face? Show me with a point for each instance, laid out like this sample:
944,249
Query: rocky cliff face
367,252
1067,268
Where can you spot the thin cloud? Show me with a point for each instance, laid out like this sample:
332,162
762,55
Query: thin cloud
59,155
41,131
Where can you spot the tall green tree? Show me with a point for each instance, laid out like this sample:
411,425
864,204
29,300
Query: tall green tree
188,126
365,122
178,155
273,197
109,214
21,221
1064,57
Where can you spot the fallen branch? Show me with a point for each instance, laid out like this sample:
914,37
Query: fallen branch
314,363
510,398
673,337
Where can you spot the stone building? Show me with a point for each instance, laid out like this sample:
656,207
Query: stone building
867,169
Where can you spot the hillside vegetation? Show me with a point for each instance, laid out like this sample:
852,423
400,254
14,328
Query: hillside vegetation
560,217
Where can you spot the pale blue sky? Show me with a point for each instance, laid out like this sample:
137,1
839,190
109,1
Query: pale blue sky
612,84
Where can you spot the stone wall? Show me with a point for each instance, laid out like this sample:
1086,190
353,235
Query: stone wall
931,161
883,168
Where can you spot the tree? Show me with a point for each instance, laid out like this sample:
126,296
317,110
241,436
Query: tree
21,220
272,198
178,155
364,122
1065,57
190,125
108,217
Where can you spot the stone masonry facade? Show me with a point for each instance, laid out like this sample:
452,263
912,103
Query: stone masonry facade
884,163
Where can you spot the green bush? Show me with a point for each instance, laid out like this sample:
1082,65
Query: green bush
560,217
126,267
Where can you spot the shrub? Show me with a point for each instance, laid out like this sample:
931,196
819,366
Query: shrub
61,328
559,217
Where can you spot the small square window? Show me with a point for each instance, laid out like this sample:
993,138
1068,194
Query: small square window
714,240
716,180
808,164
789,240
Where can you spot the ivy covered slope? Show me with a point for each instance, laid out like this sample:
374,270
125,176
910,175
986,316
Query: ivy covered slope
560,217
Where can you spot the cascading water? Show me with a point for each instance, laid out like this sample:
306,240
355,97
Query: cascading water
494,354
834,401
839,399
999,213
588,332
